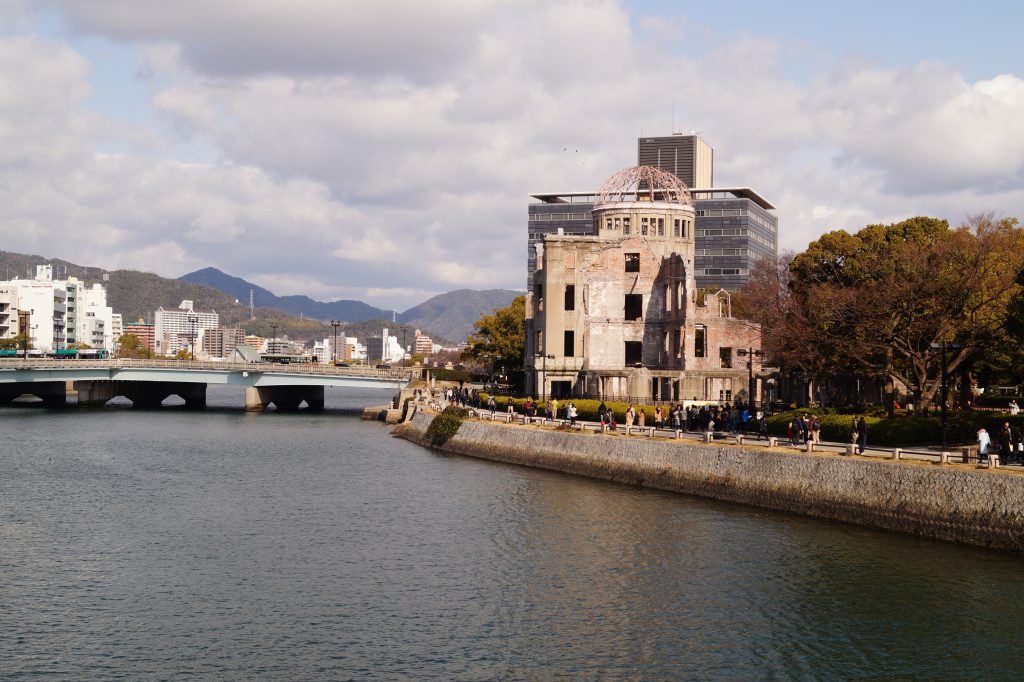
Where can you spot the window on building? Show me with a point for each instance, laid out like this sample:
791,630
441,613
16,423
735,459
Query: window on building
678,228
661,227
570,297
634,353
643,226
700,333
538,296
725,354
569,344
538,341
676,343
632,262
625,226
634,306
618,223
668,298
664,343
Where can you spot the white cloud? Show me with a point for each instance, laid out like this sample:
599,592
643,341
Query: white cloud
393,153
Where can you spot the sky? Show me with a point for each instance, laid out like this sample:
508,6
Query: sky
385,151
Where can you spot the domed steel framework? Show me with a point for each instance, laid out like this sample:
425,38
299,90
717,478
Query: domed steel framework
643,183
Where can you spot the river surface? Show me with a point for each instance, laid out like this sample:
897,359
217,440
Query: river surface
216,545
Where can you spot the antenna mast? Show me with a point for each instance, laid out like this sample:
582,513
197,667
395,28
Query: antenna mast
252,311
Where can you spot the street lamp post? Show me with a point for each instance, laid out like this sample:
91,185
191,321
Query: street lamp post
750,354
944,390
543,374
335,324
192,320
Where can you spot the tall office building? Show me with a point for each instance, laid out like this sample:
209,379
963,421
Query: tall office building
735,226
687,157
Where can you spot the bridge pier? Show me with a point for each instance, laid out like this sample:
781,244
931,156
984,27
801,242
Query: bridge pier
144,394
284,398
52,393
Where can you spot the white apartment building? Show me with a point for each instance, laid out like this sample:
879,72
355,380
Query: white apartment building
89,319
45,304
384,348
182,327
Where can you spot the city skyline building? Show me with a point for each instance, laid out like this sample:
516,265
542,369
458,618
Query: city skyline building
735,225
182,327
616,314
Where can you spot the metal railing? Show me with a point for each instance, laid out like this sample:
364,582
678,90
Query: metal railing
202,365
957,455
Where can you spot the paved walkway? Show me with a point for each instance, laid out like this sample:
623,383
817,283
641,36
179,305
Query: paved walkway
954,454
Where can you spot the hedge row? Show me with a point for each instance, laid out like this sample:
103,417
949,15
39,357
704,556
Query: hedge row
586,408
961,427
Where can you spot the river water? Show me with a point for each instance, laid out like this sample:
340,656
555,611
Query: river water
222,545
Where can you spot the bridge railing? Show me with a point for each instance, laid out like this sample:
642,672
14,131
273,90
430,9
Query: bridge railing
396,373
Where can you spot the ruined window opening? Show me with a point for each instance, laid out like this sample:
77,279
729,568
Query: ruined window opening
678,226
618,222
700,341
570,297
634,307
676,343
661,227
725,354
625,226
634,353
632,262
643,226
539,341
668,298
569,344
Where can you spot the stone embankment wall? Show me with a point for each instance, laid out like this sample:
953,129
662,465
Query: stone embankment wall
958,503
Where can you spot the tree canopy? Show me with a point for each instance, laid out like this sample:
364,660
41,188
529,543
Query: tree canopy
501,337
884,301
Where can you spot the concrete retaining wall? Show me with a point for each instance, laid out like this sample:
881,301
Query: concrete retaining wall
957,503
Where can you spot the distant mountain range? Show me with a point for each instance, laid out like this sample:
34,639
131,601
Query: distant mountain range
134,294
449,315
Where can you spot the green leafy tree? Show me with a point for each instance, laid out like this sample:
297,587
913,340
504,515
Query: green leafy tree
131,346
500,338
883,300
15,343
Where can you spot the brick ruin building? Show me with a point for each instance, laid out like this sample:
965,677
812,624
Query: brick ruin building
617,314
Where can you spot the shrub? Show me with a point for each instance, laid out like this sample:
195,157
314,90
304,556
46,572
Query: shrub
445,425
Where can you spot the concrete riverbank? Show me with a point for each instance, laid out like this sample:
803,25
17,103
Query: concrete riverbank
958,503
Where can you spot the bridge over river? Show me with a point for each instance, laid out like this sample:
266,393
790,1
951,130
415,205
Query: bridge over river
147,383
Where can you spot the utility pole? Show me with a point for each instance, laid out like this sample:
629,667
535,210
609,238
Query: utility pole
335,324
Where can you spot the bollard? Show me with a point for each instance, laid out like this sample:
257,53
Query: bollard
943,457
965,455
773,441
679,434
809,446
708,436
629,430
651,434
851,449
993,461
739,439
897,454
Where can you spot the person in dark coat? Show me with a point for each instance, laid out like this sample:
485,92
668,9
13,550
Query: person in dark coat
1005,443
862,435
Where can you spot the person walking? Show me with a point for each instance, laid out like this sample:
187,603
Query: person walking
983,442
641,417
853,431
630,415
570,412
493,405
554,408
1005,443
659,417
762,426
862,434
